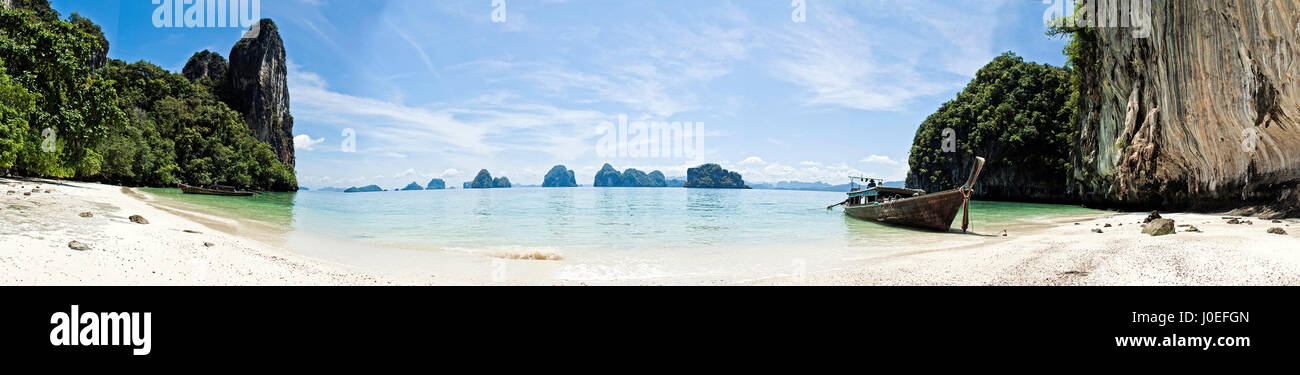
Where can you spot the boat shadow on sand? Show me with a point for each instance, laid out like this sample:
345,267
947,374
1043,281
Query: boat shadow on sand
858,227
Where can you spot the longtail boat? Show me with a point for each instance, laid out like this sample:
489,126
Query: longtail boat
216,190
912,207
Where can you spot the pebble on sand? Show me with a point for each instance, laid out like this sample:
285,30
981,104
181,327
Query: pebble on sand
192,231
1192,229
78,246
209,244
1096,230
86,214
1107,225
138,219
1276,230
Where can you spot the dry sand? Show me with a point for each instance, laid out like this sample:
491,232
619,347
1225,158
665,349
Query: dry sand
1061,252
35,231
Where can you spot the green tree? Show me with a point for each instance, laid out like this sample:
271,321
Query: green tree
1013,113
16,106
55,59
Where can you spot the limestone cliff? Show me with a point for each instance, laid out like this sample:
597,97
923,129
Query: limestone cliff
256,86
1202,114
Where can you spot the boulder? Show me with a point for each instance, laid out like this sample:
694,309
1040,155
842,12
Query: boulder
86,214
1159,227
1276,230
78,246
138,219
1154,215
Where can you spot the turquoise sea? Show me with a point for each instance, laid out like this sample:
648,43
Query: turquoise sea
591,234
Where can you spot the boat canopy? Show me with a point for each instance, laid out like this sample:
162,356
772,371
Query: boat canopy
878,190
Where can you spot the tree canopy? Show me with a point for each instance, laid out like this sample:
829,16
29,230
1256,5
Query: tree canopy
66,112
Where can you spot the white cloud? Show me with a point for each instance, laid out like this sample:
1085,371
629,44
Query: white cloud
880,159
474,128
407,172
304,142
751,160
841,62
450,172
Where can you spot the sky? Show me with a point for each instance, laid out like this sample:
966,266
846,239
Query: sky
442,89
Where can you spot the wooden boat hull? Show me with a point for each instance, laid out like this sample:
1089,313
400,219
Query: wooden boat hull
931,211
198,190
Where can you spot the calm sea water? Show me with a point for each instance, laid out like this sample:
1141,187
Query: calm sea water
597,233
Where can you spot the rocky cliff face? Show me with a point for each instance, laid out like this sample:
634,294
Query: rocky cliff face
256,86
1202,114
205,64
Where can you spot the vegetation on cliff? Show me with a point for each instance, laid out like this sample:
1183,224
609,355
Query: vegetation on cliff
559,176
632,177
65,113
484,180
364,189
713,176
1015,114
436,184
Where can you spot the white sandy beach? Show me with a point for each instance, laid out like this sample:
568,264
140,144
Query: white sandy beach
1060,252
37,229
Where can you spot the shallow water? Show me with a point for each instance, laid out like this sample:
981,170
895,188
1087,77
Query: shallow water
594,234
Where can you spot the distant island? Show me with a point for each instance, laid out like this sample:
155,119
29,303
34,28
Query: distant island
712,176
559,176
364,189
484,180
436,184
815,186
413,187
610,177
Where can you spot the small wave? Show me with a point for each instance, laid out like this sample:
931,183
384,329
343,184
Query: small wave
527,255
513,252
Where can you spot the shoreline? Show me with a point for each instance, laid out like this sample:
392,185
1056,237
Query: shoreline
1068,252
169,250
1051,251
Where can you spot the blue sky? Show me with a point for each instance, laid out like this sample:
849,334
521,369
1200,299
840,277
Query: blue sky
437,89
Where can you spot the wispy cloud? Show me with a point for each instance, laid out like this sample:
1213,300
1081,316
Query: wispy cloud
841,62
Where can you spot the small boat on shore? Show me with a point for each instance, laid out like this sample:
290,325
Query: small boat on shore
911,207
215,190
